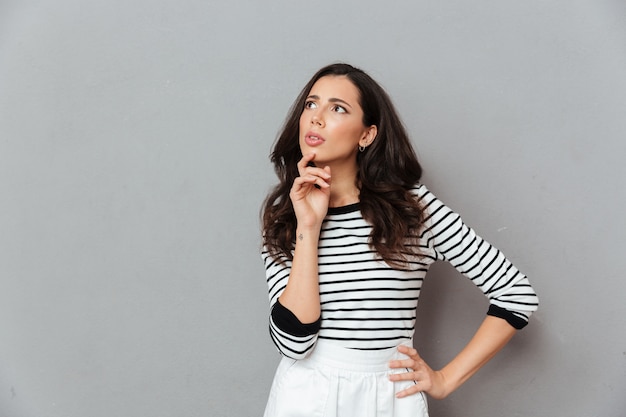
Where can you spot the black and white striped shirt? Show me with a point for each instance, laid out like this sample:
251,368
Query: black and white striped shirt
367,304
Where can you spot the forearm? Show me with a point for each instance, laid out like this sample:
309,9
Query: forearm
301,295
490,338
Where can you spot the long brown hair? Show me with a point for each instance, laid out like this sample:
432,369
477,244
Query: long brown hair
388,169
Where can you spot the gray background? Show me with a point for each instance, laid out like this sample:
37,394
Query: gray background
133,160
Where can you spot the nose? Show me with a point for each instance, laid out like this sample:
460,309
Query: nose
316,119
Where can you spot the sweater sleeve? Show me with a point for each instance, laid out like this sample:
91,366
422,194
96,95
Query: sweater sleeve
510,294
292,338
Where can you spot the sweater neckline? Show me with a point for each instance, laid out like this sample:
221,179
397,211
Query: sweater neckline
344,209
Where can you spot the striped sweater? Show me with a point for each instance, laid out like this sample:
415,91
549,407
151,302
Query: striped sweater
367,304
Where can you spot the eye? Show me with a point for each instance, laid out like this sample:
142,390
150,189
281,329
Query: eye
309,104
339,109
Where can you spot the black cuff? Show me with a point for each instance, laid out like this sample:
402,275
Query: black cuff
505,314
286,321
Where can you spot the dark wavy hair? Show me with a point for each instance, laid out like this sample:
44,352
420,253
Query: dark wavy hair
387,171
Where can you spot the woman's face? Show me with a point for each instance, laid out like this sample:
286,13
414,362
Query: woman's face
331,123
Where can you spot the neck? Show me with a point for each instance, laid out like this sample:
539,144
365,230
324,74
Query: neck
344,200
343,189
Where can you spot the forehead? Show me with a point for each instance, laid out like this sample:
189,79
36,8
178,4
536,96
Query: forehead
336,86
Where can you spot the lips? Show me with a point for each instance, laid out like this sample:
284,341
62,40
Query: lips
313,139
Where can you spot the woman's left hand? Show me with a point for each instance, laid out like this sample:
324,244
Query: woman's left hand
426,379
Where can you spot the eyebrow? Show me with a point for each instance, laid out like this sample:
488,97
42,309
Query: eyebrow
332,100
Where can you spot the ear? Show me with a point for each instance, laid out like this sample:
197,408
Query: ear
368,136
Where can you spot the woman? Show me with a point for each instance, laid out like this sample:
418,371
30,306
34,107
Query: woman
349,234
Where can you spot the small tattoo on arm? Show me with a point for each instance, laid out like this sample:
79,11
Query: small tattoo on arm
300,236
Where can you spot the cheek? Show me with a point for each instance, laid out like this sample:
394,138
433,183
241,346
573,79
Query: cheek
303,122
354,131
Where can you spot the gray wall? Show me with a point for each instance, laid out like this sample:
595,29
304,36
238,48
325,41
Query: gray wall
133,160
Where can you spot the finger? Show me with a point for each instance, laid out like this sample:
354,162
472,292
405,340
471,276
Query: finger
413,389
309,179
403,363
322,173
305,168
302,164
409,351
317,177
404,376
313,179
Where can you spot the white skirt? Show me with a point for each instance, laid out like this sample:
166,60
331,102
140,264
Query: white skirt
337,382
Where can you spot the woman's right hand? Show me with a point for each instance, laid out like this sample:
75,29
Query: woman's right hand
310,193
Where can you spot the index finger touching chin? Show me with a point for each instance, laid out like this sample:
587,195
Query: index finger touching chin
305,161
